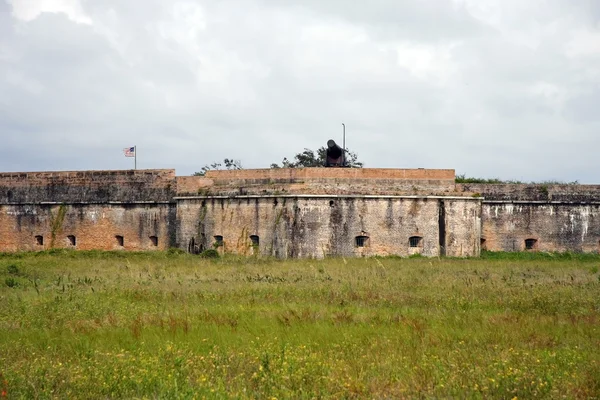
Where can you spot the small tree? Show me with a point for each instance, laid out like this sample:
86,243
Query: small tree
232,164
309,158
229,163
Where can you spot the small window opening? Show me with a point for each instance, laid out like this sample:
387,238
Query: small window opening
275,202
331,203
415,241
218,241
483,244
361,241
120,240
255,240
154,240
72,240
530,244
39,240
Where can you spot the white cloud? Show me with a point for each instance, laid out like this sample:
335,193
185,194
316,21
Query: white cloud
427,62
491,88
28,10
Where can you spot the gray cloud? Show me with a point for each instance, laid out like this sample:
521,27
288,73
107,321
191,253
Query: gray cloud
497,89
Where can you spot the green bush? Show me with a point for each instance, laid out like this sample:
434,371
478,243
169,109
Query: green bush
11,282
58,252
12,269
175,251
416,255
210,253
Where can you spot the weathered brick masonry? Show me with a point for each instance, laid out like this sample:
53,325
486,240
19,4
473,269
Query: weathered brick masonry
318,226
87,226
545,217
317,212
311,212
316,181
87,186
130,210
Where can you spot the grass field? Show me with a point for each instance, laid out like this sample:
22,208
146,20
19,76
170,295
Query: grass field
161,325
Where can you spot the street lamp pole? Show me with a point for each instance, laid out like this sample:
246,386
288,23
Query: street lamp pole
344,146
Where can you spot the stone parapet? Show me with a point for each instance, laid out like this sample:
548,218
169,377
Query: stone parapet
87,186
569,193
320,181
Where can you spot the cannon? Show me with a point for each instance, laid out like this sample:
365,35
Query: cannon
334,155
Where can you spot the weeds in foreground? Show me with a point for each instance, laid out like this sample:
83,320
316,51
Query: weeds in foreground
167,325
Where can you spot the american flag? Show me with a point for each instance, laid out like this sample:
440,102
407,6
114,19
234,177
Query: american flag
129,151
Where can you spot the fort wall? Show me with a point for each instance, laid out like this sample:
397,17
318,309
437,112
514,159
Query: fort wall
87,186
569,193
350,181
310,212
88,210
544,217
32,227
302,174
556,226
320,226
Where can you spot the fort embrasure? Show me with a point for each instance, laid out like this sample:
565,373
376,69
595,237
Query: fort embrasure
300,212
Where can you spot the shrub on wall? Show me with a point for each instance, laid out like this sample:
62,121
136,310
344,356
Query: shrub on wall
175,251
210,253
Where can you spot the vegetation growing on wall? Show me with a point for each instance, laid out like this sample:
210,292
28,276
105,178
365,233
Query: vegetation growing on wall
244,244
309,158
462,178
56,223
228,163
305,159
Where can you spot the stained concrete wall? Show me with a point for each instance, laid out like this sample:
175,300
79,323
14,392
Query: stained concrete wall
555,226
560,217
462,227
319,226
350,181
311,212
532,192
95,226
87,186
92,206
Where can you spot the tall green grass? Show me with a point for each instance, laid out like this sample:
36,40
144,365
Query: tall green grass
168,325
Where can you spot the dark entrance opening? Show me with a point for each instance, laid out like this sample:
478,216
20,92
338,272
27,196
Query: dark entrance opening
530,244
361,241
415,241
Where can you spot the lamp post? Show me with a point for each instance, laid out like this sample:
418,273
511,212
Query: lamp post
344,146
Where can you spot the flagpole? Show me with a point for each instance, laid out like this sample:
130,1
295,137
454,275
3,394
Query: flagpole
134,157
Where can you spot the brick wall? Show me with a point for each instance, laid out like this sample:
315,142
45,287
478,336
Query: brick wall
94,226
554,226
311,212
532,192
292,174
557,217
192,184
328,226
320,181
87,186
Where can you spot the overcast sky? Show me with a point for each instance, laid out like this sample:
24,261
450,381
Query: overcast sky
490,88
